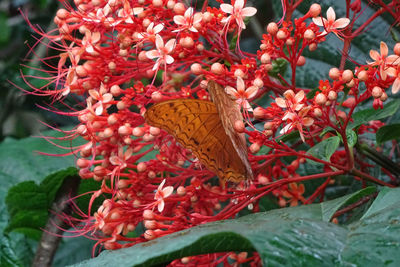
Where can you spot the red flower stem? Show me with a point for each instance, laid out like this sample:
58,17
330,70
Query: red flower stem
370,178
354,205
317,192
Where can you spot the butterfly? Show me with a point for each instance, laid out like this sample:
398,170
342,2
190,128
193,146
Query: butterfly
206,128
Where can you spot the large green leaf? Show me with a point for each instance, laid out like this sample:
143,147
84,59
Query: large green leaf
300,236
20,162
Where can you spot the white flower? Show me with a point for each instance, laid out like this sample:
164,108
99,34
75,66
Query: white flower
161,194
238,12
161,53
330,23
241,94
188,20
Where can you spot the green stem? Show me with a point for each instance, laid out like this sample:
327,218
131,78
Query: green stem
379,159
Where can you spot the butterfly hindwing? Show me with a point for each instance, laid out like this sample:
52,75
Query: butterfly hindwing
196,124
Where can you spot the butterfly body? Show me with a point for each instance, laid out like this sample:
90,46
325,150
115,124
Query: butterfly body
196,125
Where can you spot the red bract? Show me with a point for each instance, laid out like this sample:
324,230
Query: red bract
111,54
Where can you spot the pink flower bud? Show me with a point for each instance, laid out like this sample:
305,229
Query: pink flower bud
179,8
151,175
315,10
217,68
301,61
254,148
377,92
309,34
258,82
124,130
82,163
181,191
281,35
196,69
115,90
141,167
272,28
138,132
312,47
259,113
149,235
157,3
349,102
320,99
332,95
170,4
396,49
334,73
154,131
362,75
148,215
239,126
263,179
347,75
265,58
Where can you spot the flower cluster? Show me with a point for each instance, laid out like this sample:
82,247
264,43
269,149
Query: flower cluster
121,56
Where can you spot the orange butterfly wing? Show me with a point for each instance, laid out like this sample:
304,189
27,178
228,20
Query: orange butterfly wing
197,126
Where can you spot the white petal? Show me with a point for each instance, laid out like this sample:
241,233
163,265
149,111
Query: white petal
226,8
99,110
286,129
170,45
94,94
280,102
169,59
158,28
152,54
330,14
249,11
396,86
137,10
107,97
239,4
159,42
320,21
341,23
161,185
240,86
178,19
231,91
251,92
189,12
167,191
161,205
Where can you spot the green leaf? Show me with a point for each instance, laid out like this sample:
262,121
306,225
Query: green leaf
15,250
387,197
369,114
5,29
300,235
351,138
28,217
326,130
330,207
20,162
324,149
387,133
